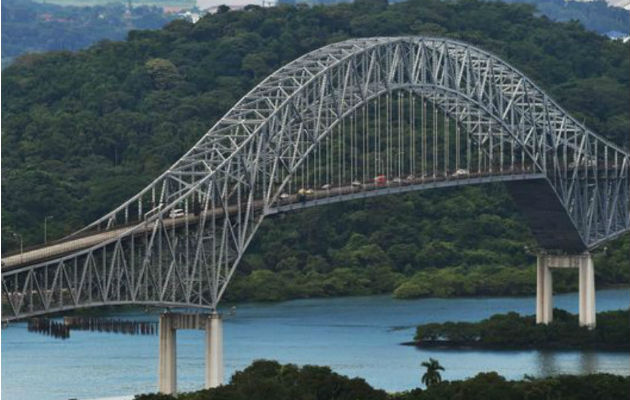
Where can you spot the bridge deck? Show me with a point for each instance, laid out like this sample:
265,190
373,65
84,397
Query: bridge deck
319,197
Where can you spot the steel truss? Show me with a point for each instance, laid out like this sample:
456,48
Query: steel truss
416,111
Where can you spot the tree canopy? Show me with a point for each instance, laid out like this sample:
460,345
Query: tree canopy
271,380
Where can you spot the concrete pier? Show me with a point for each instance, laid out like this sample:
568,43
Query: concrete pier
214,351
167,370
169,324
544,292
544,286
587,293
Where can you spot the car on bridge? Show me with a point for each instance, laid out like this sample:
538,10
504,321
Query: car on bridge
303,193
380,180
461,172
176,213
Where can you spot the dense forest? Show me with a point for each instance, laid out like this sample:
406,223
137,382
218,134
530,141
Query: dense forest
513,331
83,131
29,26
270,380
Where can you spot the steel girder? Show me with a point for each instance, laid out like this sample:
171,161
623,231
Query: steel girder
240,169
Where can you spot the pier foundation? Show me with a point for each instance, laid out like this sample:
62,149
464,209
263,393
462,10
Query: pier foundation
544,286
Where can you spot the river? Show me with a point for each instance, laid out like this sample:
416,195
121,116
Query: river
355,336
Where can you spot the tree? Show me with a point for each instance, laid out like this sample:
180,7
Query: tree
163,72
432,375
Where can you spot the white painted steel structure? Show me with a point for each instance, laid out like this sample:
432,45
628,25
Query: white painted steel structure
413,112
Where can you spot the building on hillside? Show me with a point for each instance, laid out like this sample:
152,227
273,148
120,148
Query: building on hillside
616,35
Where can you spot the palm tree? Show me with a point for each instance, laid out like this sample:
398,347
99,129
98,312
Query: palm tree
432,376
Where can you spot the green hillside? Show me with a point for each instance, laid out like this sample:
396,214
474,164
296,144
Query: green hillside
83,131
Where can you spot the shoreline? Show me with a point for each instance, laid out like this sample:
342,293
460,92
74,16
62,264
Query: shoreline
391,295
475,346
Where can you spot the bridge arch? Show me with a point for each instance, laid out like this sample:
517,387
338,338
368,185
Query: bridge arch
179,240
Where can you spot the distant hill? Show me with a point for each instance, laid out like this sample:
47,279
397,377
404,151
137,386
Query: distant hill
135,3
29,26
598,16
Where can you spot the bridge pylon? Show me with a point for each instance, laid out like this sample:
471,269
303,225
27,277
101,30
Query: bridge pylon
167,364
544,286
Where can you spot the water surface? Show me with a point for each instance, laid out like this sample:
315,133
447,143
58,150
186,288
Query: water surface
356,336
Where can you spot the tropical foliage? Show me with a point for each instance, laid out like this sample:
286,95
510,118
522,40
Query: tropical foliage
265,380
432,375
512,330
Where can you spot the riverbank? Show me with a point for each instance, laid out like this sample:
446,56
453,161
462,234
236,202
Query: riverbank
272,380
512,331
448,282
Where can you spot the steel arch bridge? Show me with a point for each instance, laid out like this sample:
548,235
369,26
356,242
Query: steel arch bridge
359,118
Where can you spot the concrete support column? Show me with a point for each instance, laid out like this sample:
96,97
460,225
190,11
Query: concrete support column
214,351
544,297
167,380
544,292
587,292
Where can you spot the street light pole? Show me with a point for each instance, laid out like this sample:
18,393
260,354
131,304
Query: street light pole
18,236
46,227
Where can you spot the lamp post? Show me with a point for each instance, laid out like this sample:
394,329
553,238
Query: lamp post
19,237
46,227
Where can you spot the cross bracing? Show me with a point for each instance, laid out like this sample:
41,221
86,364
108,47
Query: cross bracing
354,119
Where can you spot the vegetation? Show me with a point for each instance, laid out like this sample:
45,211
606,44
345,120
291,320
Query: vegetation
29,26
492,386
512,330
84,131
271,380
432,375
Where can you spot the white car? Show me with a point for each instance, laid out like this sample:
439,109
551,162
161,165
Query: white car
356,184
583,163
461,172
326,186
176,212
284,196
397,180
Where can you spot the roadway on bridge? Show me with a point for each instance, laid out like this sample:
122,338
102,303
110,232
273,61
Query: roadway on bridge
288,203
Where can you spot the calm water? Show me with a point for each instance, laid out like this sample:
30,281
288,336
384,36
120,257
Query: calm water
355,336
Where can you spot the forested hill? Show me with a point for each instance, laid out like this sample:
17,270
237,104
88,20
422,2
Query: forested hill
596,15
29,26
83,131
